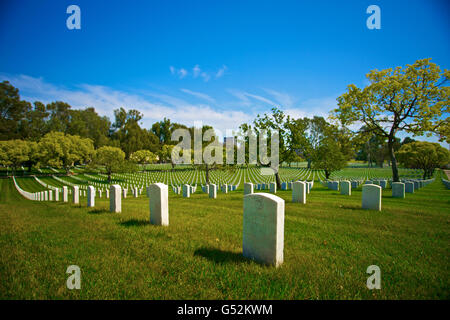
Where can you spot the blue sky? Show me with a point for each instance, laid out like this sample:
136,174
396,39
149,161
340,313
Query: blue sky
219,62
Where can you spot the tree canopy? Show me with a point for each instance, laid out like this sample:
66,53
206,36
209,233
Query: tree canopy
423,155
111,158
64,151
411,99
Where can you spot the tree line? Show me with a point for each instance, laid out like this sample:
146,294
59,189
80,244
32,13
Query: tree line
413,99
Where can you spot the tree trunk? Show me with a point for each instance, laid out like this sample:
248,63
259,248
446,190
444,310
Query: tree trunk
395,176
207,174
278,180
327,174
109,177
309,163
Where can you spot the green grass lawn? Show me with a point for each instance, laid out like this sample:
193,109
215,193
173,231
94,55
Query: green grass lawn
329,243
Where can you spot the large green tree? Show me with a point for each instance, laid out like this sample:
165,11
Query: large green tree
307,135
64,151
35,126
131,137
413,99
88,123
329,157
143,157
12,111
423,155
14,153
283,124
112,159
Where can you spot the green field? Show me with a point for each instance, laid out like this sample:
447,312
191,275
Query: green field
329,243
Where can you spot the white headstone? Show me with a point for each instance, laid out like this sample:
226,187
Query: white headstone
263,228
398,190
371,197
65,194
409,187
212,191
299,192
159,204
115,200
335,185
186,191
273,187
248,188
76,195
91,197
346,188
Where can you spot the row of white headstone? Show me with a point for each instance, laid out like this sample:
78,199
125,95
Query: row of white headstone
263,218
398,188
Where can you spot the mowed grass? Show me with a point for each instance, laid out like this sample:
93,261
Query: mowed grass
329,243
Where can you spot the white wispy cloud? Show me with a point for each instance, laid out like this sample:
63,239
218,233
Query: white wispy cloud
205,76
221,71
199,95
284,99
244,98
313,107
197,72
154,106
180,73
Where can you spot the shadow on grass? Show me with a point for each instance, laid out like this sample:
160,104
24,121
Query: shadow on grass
351,207
134,223
98,211
220,256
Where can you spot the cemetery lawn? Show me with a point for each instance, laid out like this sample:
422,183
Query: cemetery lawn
329,243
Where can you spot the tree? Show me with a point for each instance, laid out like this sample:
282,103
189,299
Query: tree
33,156
64,151
88,124
307,136
209,146
412,99
111,158
59,116
12,111
143,157
129,133
278,121
329,157
35,126
407,140
423,155
165,155
15,153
